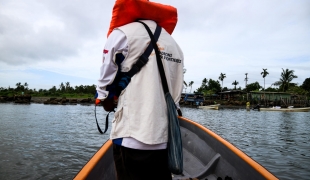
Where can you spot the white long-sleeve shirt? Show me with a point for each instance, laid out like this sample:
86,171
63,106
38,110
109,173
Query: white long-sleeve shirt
117,42
140,119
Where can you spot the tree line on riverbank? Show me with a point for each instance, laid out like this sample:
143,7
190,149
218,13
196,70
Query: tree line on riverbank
208,86
284,84
64,90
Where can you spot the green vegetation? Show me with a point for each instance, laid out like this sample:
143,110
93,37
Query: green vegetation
306,84
64,90
285,84
285,81
253,87
209,87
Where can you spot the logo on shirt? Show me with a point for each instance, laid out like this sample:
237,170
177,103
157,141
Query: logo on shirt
105,51
168,57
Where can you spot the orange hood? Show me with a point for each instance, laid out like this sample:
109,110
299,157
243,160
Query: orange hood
127,11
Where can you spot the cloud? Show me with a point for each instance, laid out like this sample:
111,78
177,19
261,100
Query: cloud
229,36
32,31
238,37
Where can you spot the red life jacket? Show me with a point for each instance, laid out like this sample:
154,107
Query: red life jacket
127,11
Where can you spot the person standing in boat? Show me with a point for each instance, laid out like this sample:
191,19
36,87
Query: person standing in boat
139,128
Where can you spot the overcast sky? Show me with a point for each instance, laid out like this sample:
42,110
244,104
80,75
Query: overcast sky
46,42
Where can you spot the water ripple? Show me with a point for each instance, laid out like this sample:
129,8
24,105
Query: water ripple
277,140
54,142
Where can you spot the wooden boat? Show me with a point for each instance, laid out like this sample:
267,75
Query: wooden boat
215,107
206,156
304,109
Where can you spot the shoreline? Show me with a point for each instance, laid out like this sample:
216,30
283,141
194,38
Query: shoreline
90,101
46,100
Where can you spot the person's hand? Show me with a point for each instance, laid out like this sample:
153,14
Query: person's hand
108,104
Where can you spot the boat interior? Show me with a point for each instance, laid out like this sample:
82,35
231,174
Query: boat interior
205,156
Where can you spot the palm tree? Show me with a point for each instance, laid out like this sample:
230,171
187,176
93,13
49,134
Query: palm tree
67,86
18,86
62,87
235,83
185,84
264,73
286,77
53,89
26,85
221,78
191,84
184,71
204,83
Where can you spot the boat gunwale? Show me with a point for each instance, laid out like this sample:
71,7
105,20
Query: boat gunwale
89,166
259,168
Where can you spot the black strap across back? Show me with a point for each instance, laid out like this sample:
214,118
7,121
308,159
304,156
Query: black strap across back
140,63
